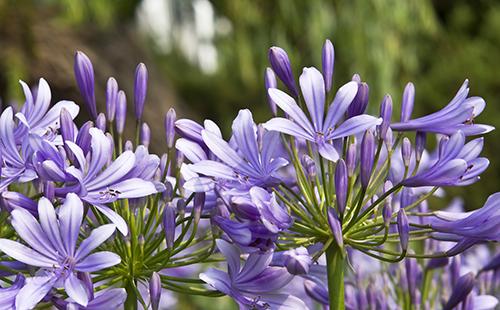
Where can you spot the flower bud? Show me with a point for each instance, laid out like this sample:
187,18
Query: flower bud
270,82
297,261
155,291
360,101
170,118
406,151
67,126
385,114
140,89
407,104
367,158
309,166
328,62
341,185
387,213
145,134
403,229
121,111
83,138
129,146
111,97
388,139
316,291
356,78
198,204
335,227
100,122
13,200
169,224
283,69
420,140
350,160
84,74
461,290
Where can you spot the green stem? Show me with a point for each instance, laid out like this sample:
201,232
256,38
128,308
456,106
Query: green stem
131,301
335,271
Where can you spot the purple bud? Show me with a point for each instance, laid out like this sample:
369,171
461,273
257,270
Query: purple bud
121,111
387,213
198,203
155,291
407,104
140,89
341,185
145,134
129,146
297,261
13,200
360,101
406,151
403,229
281,66
335,227
437,262
100,122
169,224
49,190
350,159
356,78
67,126
388,139
328,61
170,118
420,141
83,138
190,130
316,291
309,166
367,158
270,82
385,114
84,74
461,290
111,97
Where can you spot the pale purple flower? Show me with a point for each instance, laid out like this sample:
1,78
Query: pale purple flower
319,130
53,248
458,164
248,165
112,298
458,115
255,284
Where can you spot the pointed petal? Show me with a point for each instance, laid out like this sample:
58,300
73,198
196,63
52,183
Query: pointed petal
100,152
288,127
354,125
221,149
95,239
49,223
288,104
108,299
114,172
97,261
232,255
76,290
70,220
24,254
246,138
328,151
343,98
116,219
313,89
213,169
34,291
191,150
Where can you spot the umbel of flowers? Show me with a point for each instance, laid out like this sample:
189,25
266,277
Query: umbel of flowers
295,207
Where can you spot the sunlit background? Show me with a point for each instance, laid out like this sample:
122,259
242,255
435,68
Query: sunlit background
207,58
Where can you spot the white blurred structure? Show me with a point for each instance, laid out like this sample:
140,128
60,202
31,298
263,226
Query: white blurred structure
187,25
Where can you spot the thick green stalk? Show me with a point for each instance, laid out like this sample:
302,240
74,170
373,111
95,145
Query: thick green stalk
335,264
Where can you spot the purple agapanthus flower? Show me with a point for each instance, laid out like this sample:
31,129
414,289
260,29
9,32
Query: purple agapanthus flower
319,129
254,285
458,164
245,162
128,176
458,115
52,245
470,228
106,299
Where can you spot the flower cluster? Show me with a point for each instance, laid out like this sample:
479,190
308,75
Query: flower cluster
95,221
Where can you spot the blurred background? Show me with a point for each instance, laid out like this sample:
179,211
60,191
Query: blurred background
207,58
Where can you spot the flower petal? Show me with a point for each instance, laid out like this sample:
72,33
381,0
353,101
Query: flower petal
95,239
24,254
34,291
70,220
76,290
343,98
97,261
246,138
288,104
288,127
354,125
313,89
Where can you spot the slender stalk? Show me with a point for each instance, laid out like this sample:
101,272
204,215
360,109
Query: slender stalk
335,271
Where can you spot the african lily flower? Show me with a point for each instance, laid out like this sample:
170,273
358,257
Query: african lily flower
254,285
244,163
319,129
52,247
458,164
459,114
